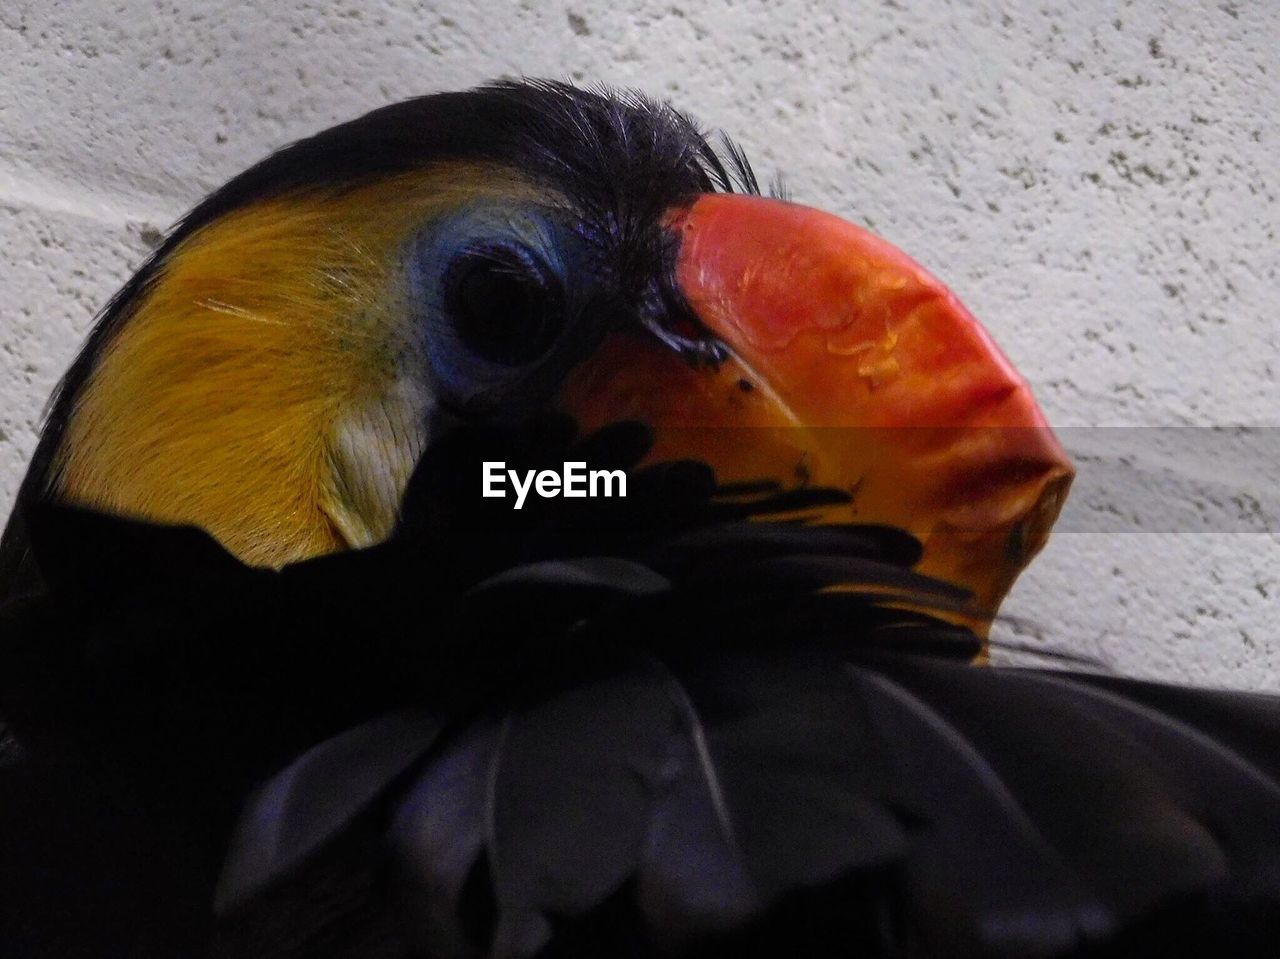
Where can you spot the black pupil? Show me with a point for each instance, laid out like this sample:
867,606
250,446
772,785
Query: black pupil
506,309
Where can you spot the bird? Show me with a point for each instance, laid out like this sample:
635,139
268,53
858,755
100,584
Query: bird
287,674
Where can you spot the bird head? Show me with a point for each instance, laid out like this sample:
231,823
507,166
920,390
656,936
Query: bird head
277,370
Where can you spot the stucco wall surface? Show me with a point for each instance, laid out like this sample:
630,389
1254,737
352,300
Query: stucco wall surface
1097,181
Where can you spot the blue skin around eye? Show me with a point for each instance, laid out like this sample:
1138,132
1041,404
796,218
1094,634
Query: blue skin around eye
459,373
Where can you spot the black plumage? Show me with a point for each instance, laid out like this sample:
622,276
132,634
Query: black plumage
590,749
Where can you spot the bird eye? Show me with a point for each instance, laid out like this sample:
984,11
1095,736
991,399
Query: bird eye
506,305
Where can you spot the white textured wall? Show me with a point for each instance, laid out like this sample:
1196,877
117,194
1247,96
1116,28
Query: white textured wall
1096,179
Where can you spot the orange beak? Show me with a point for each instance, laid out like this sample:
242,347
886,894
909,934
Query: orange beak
849,367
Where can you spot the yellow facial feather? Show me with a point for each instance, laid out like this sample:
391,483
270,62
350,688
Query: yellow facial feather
269,387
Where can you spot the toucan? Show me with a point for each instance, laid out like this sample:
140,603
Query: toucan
320,638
